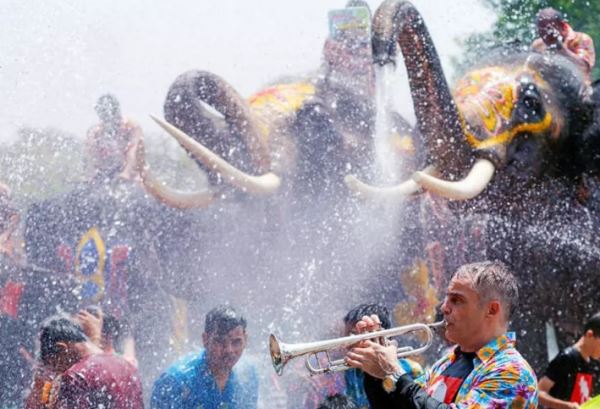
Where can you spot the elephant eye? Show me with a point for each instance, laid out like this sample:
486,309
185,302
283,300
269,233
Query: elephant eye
530,107
532,101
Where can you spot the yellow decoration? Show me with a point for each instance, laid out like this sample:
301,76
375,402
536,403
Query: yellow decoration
421,296
97,277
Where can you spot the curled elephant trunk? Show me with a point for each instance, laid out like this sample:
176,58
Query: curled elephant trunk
232,123
267,183
438,119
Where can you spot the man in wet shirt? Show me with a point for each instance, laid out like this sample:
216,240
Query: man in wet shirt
86,377
484,370
215,378
568,381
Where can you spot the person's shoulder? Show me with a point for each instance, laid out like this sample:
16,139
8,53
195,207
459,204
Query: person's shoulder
510,361
246,368
186,365
129,124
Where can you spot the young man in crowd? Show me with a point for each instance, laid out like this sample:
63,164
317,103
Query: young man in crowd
111,145
355,377
216,377
483,370
87,377
568,381
106,331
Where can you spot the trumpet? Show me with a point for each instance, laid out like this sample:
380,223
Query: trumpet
282,353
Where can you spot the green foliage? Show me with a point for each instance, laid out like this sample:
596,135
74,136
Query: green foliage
516,21
41,163
44,163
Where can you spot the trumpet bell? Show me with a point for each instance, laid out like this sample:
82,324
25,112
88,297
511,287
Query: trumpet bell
276,355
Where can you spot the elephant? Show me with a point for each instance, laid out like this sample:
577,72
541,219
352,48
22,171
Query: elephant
277,214
505,153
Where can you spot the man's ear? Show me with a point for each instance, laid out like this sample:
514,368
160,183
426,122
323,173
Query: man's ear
494,307
62,346
204,339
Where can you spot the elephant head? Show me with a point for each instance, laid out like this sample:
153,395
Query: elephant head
202,104
307,130
515,115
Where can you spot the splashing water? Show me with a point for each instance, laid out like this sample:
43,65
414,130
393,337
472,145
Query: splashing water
386,163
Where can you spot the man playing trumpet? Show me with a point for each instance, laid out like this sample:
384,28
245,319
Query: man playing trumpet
484,370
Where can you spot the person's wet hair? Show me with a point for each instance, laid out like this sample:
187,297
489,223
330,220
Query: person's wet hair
356,314
58,328
111,327
107,106
549,15
337,401
492,280
593,324
223,319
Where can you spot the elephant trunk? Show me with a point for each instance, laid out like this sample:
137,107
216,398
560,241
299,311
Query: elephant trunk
438,118
185,108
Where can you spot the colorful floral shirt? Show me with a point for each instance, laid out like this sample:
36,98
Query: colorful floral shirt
501,378
582,46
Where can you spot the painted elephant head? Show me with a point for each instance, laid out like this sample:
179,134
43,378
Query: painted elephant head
517,115
302,132
506,143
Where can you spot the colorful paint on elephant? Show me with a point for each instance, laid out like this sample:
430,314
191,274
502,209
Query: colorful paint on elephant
487,99
101,270
279,101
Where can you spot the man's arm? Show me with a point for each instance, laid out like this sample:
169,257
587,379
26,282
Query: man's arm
135,138
544,386
408,395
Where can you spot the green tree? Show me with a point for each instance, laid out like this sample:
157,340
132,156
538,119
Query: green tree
516,21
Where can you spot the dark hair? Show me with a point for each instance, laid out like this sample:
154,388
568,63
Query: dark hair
356,314
58,328
111,327
107,104
223,319
492,280
337,401
594,324
549,15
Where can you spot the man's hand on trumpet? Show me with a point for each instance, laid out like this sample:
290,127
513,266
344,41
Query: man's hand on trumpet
375,359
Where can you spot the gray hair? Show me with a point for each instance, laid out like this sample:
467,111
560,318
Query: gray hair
493,281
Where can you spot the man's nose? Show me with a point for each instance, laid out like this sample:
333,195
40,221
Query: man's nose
445,308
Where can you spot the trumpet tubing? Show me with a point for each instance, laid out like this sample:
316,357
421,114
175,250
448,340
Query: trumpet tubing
282,353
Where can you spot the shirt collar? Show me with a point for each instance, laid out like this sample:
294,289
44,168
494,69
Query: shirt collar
490,349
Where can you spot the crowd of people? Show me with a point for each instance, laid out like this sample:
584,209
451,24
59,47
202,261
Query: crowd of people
79,365
87,358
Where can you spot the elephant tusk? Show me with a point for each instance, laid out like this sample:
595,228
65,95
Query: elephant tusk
476,181
260,185
394,193
173,197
